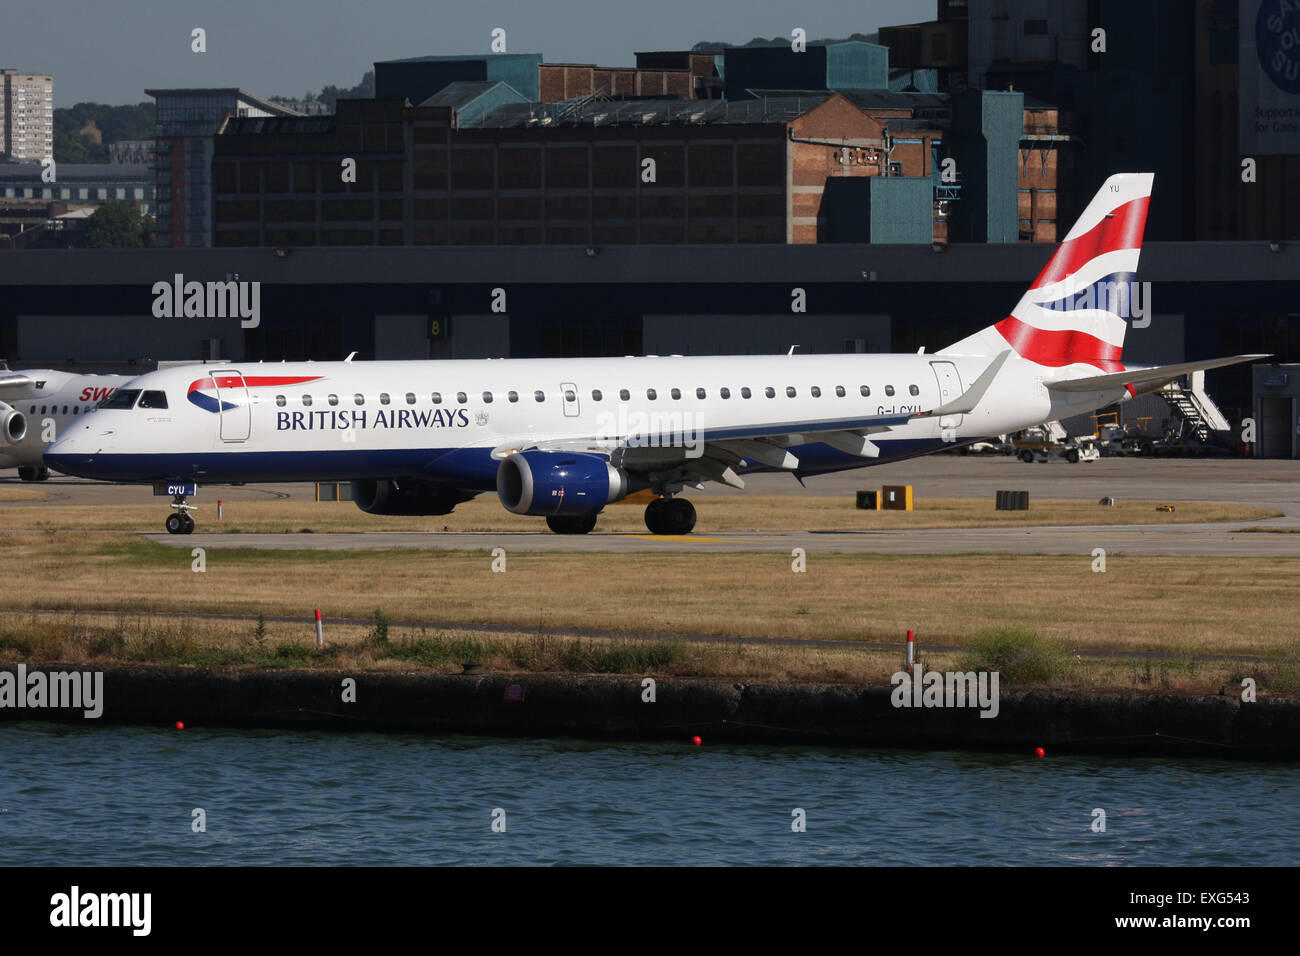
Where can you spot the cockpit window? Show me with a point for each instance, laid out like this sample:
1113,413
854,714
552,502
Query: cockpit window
153,400
122,398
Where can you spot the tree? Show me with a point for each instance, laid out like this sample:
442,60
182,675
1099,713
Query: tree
117,226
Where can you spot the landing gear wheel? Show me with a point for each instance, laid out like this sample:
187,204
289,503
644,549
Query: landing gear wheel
175,524
571,524
670,516
189,525
1027,456
33,473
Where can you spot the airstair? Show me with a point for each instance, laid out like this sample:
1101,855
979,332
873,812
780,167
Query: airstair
1195,408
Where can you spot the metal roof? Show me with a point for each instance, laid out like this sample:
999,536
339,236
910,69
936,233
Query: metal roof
460,92
77,172
232,91
584,111
279,124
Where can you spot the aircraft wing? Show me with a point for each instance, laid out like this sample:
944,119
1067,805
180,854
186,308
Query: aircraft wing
1149,379
12,381
713,454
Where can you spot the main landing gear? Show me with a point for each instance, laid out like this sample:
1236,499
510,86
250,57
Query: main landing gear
670,516
33,473
181,522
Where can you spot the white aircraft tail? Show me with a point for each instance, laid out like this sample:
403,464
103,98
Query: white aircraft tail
1076,311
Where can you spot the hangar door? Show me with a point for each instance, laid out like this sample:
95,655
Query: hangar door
1275,427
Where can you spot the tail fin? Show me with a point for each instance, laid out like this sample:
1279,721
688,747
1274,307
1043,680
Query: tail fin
1075,311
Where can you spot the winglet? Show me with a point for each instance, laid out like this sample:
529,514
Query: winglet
967,400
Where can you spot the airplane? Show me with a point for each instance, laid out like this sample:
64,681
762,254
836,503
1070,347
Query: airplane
36,405
562,438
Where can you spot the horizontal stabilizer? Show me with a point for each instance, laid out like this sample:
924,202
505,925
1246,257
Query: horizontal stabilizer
1152,377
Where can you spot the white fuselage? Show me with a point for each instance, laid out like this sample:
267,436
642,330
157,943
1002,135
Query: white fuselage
442,420
51,403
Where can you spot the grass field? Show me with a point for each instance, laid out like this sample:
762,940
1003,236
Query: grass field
680,613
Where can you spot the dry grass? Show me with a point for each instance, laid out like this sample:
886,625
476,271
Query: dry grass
718,514
1231,606
108,640
22,494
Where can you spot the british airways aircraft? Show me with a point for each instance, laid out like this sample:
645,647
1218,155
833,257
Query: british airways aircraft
36,405
562,438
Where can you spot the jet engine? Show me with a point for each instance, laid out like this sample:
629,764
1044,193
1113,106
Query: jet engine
13,425
559,483
405,496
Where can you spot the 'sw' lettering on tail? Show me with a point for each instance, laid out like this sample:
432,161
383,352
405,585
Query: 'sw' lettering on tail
1076,311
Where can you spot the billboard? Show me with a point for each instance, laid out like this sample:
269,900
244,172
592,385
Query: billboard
1269,63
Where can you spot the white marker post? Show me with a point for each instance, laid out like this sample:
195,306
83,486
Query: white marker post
911,649
218,509
320,631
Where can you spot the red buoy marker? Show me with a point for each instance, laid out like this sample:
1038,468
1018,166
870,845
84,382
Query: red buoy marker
1040,752
180,725
697,741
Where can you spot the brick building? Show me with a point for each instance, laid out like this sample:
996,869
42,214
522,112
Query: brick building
617,172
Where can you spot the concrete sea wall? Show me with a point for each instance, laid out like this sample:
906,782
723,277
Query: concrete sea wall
535,705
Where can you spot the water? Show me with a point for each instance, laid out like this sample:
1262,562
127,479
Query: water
118,795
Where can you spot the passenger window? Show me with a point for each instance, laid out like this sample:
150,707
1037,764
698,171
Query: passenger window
700,393
150,399
651,394
43,409
624,395
725,392
913,390
865,390
383,398
839,391
65,407
789,391
676,394
461,398
539,395
333,399
595,395
410,398
437,398
745,392
280,400
359,399
816,391
513,396
889,390
770,392
487,398
570,395
306,401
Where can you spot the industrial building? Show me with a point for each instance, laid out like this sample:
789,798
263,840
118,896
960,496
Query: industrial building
187,120
616,172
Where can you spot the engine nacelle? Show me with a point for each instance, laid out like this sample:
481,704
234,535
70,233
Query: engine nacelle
405,496
13,425
556,483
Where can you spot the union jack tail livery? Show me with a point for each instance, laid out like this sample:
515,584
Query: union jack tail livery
1076,311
